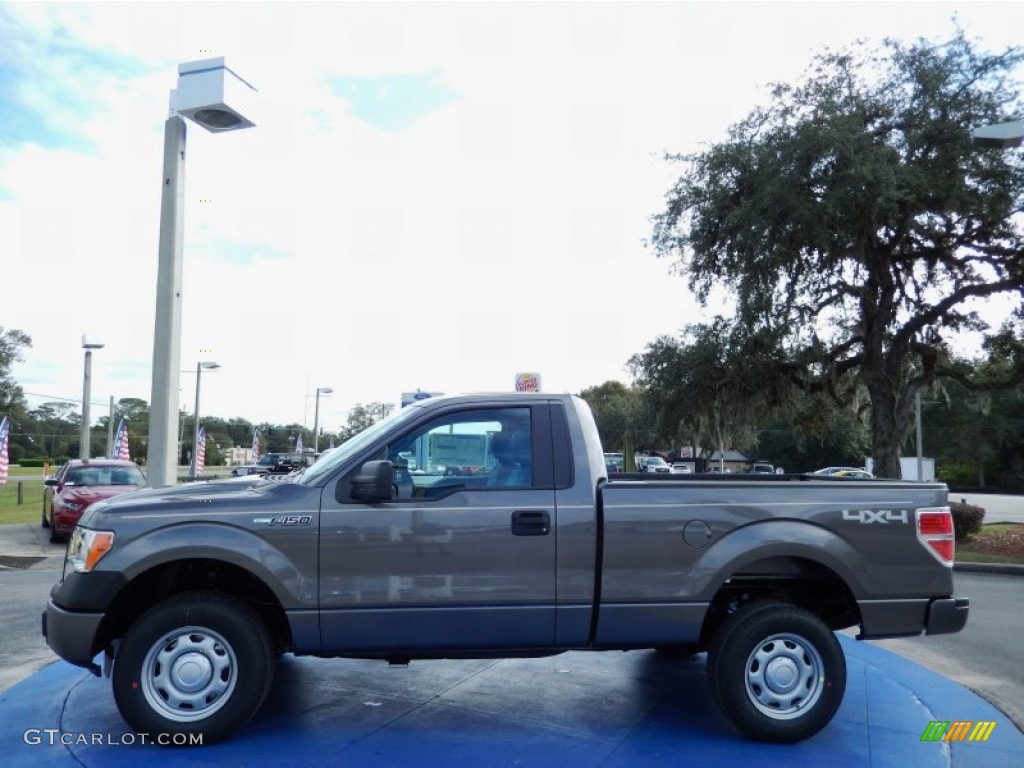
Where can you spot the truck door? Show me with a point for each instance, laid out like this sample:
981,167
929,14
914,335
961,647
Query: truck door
462,556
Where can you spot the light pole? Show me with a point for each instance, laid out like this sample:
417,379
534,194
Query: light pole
195,427
316,417
213,96
999,135
88,346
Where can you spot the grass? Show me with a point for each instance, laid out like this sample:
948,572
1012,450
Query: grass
30,510
994,543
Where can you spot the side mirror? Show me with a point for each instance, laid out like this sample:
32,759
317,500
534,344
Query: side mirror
373,481
51,481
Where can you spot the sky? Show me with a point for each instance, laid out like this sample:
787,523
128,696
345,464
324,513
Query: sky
436,196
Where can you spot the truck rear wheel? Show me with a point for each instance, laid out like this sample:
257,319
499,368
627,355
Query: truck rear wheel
777,672
197,663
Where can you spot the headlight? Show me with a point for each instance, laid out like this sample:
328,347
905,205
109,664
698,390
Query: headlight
87,547
71,505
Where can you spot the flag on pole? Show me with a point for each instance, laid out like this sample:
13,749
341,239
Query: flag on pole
298,443
120,450
255,446
5,430
201,452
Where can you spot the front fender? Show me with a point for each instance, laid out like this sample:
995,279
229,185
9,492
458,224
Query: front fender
287,564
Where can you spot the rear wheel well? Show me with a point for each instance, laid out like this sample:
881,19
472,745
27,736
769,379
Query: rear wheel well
207,575
794,580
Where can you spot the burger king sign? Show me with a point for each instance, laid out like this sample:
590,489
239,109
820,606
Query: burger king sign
527,382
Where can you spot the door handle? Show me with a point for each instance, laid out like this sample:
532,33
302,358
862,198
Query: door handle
530,523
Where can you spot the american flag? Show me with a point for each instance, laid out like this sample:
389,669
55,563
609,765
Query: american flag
298,443
120,450
201,452
5,428
255,446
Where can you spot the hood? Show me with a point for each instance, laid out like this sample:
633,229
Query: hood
194,497
90,494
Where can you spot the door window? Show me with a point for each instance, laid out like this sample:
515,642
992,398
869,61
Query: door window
481,448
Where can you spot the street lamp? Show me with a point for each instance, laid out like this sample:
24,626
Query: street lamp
999,135
88,346
195,427
214,97
316,417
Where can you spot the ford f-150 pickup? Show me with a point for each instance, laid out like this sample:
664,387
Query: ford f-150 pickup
486,526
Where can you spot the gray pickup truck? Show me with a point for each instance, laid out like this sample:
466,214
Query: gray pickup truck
486,526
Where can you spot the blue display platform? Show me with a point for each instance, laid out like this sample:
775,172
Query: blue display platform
613,710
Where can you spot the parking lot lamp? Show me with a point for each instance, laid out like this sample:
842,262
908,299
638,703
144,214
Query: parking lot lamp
88,345
316,417
213,96
195,427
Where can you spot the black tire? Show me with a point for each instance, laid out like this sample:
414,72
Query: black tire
46,523
54,537
197,663
777,672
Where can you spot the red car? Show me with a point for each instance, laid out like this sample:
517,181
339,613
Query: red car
82,482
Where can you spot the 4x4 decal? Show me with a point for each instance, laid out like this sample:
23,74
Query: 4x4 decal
884,516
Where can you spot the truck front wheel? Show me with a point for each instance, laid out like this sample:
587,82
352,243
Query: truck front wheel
197,663
777,672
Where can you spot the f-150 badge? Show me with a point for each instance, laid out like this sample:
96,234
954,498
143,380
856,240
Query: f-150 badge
868,516
285,520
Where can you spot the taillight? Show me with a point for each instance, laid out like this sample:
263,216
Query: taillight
935,531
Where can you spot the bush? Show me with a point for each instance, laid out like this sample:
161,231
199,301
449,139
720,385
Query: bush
39,462
967,519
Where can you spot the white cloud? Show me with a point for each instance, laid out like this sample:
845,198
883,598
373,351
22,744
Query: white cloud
497,233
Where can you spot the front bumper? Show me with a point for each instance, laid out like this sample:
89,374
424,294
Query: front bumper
71,635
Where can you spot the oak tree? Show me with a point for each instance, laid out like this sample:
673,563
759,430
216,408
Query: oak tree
853,219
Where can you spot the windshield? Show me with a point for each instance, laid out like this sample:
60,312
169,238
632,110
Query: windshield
100,475
354,445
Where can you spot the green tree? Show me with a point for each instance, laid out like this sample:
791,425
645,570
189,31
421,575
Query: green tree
361,416
135,412
811,433
853,219
713,386
620,411
56,427
12,399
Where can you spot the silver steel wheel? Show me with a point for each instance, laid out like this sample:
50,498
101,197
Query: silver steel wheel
784,676
189,674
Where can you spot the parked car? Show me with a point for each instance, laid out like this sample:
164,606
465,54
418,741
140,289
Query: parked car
613,462
834,470
283,463
761,468
682,468
248,469
82,482
652,464
862,474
